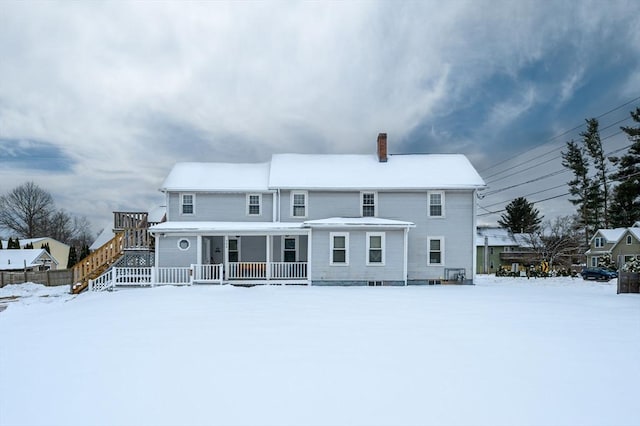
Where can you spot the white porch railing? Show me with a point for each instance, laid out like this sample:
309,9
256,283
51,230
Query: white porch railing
239,271
103,282
247,270
207,273
288,270
133,276
172,276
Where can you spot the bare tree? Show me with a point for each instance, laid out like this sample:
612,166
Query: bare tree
557,242
25,210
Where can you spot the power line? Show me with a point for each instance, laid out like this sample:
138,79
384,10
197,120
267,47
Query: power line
563,133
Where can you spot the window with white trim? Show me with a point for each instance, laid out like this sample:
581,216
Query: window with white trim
629,240
369,201
339,248
187,204
254,203
599,242
375,248
183,244
435,254
435,201
299,203
594,261
289,251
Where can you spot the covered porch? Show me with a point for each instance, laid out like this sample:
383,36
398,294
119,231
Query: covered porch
242,253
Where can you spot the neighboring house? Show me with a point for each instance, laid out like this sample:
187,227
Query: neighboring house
29,259
622,244
323,219
59,250
497,247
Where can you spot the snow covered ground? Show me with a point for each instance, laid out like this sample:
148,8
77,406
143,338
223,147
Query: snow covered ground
504,352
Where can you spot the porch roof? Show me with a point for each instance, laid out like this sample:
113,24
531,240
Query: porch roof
196,227
370,222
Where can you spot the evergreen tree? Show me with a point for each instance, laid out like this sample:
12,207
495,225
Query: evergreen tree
625,206
84,251
520,217
16,243
46,247
28,246
73,257
582,187
593,144
1,245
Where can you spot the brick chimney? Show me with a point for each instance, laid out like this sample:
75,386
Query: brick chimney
382,147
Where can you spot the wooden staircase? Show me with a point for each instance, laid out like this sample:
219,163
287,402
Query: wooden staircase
132,233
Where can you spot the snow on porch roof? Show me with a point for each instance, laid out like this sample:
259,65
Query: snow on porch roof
415,171
196,227
358,222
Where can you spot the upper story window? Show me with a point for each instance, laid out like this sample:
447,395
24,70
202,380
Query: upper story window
339,248
187,204
599,242
299,204
629,240
254,203
369,201
375,248
436,251
436,203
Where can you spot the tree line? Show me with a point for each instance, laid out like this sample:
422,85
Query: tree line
604,189
28,211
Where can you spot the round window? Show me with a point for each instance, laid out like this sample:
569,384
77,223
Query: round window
183,244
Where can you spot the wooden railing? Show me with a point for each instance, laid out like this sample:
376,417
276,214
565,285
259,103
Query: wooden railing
258,270
127,220
207,273
97,262
288,270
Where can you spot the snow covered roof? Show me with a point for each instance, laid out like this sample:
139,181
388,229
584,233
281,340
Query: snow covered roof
185,227
157,214
416,171
359,221
224,177
496,237
15,259
610,235
102,239
331,172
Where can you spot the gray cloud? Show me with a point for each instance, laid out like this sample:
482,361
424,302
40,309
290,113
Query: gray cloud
123,90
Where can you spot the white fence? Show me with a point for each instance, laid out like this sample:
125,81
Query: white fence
207,273
288,270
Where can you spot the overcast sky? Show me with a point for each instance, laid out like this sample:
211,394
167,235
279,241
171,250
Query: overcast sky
98,100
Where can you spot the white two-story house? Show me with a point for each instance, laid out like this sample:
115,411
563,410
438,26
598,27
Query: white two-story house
322,219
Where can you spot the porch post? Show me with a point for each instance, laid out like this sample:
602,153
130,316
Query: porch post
309,245
225,257
268,271
199,250
406,255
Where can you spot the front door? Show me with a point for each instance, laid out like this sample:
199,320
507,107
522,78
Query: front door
289,249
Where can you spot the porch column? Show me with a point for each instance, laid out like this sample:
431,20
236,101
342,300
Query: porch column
225,256
199,249
406,256
268,271
309,245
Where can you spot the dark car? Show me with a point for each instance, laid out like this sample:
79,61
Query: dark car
600,274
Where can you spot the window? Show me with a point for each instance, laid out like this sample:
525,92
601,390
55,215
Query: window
594,261
599,242
183,244
299,204
254,201
187,203
629,240
368,202
436,250
234,250
375,248
436,204
289,249
339,250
